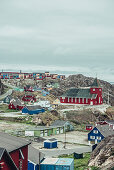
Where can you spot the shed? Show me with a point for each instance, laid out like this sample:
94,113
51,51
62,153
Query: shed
50,143
57,164
34,158
89,127
33,109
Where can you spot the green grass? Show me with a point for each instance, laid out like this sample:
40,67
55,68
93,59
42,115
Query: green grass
80,164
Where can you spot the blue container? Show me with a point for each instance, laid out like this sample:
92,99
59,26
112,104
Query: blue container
50,144
57,164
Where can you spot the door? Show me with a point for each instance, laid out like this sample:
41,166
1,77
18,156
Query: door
91,102
41,133
45,133
57,130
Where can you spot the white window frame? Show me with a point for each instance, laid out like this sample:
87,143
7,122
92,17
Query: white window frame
98,137
92,137
93,89
95,131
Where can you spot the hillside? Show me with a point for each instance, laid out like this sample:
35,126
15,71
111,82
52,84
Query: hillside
1,88
82,81
103,155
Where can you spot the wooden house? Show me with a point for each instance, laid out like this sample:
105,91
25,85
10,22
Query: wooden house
99,132
13,152
16,105
33,109
89,95
8,99
29,98
62,123
110,123
89,127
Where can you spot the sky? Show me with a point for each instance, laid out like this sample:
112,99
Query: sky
62,36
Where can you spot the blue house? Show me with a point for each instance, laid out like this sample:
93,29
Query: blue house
44,93
34,158
33,109
99,132
50,143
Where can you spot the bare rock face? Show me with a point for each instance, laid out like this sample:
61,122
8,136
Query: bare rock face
82,81
103,155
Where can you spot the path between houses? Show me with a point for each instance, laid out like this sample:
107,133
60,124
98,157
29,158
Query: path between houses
13,114
58,152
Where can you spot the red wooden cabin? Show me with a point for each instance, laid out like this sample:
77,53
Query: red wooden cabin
13,152
89,95
16,105
89,127
28,88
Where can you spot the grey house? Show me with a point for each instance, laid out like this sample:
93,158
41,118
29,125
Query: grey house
62,123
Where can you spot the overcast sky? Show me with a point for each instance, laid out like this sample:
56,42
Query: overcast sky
67,36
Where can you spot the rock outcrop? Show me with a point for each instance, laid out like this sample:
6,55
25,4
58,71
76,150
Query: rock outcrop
103,155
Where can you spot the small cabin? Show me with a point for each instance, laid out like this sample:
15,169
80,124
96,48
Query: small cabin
50,143
89,127
33,109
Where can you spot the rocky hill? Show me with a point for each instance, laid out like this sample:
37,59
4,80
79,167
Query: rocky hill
103,155
82,81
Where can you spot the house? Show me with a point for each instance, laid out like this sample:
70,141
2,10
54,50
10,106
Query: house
89,127
28,88
110,123
101,123
57,164
86,95
45,93
13,152
6,161
34,158
8,99
44,131
62,123
50,143
99,132
44,103
28,98
16,104
33,109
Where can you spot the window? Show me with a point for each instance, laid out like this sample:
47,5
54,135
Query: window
95,131
93,89
79,100
99,89
92,137
99,137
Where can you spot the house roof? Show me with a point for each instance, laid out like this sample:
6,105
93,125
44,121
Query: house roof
96,83
79,93
33,107
11,143
50,140
16,102
33,155
105,130
9,96
110,121
59,123
3,152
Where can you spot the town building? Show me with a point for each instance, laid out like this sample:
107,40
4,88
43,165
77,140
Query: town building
85,95
33,109
13,152
99,132
29,98
16,104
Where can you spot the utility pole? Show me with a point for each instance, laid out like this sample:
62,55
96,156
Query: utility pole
65,140
108,97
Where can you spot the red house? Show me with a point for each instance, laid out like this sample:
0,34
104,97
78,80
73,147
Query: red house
89,127
16,105
89,95
28,98
13,152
